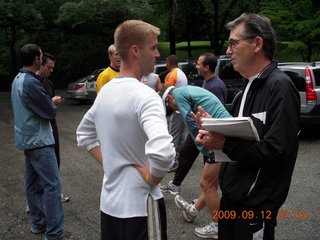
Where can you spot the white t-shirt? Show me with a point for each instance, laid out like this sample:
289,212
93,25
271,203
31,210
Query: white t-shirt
128,120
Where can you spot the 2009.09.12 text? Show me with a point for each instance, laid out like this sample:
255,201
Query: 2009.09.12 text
302,214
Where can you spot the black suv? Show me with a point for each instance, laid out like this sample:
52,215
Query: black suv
306,78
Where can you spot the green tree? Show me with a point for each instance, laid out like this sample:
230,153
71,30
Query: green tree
206,19
88,27
15,24
76,32
297,22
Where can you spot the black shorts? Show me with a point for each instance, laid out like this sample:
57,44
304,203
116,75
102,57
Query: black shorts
124,228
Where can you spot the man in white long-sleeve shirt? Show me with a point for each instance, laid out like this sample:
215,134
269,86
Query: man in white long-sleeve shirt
126,131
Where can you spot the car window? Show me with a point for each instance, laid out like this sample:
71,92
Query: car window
316,73
297,77
190,69
160,69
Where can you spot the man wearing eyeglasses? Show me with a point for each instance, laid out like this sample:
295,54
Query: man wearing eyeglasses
256,183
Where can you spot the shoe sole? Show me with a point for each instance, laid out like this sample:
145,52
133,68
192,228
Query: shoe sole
186,218
37,231
171,192
204,236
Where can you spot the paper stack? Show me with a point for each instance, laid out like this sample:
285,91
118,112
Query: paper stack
240,127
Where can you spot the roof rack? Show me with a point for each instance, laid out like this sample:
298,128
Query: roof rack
315,63
294,63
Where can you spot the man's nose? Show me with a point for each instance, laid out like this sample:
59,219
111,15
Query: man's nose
157,53
229,51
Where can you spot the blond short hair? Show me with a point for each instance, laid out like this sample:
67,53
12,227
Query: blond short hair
132,32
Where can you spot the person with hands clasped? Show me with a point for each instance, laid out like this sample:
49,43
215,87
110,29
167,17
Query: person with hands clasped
134,146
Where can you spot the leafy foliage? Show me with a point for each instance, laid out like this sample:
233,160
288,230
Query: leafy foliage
297,21
78,32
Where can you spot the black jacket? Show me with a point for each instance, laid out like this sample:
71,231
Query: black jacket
261,176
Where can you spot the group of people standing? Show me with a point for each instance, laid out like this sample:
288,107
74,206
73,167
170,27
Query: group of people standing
137,146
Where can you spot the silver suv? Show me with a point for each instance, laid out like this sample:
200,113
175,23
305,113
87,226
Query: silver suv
306,78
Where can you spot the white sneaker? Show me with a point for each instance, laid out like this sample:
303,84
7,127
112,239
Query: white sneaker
208,232
185,207
170,188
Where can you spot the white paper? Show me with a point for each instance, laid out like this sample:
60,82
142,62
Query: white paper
241,127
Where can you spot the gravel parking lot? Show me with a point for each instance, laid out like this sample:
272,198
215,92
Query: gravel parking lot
82,176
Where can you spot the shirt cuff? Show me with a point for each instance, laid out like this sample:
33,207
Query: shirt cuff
93,145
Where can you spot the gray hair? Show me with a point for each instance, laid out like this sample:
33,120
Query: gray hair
112,49
256,25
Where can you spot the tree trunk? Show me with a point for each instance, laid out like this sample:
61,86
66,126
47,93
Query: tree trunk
13,54
172,37
188,36
216,31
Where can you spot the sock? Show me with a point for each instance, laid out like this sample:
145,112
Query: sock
193,209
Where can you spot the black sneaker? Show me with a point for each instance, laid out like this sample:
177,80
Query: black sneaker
38,230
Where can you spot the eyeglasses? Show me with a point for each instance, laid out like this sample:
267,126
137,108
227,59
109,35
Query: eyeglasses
234,42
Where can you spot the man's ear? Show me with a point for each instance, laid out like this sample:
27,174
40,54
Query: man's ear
134,49
36,59
259,44
169,97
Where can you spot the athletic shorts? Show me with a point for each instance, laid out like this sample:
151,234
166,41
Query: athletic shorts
152,227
